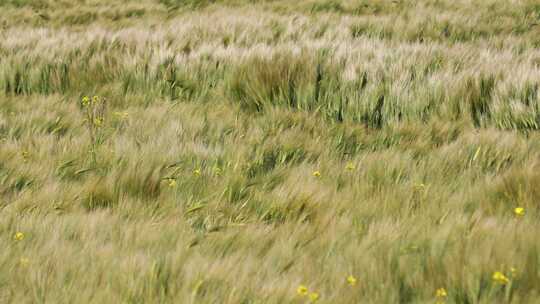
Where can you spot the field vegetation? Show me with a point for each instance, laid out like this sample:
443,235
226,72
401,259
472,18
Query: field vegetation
258,151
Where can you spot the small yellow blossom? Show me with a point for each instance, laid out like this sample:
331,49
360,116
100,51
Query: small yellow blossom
350,166
197,172
172,183
317,173
302,290
95,99
351,280
499,277
19,236
313,297
24,262
98,122
85,101
441,293
519,211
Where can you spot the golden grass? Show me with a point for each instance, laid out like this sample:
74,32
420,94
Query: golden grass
370,152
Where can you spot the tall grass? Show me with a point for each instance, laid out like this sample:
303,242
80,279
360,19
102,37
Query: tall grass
281,144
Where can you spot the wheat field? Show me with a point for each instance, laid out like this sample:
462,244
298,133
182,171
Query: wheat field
259,151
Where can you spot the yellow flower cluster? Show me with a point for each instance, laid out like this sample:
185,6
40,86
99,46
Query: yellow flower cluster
351,280
441,293
500,278
19,236
519,211
86,100
94,110
98,122
303,291
313,297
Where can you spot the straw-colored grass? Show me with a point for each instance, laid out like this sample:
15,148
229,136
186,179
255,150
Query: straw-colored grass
371,151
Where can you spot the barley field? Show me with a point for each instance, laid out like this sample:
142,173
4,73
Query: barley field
259,151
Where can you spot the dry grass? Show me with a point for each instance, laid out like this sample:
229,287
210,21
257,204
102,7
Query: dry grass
196,184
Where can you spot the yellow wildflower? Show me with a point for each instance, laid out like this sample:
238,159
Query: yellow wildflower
441,293
350,166
85,101
95,99
499,277
519,211
172,183
98,122
351,280
313,297
19,236
197,172
317,173
302,290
